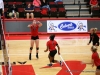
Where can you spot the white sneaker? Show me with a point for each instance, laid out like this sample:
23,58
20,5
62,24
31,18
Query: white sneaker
61,63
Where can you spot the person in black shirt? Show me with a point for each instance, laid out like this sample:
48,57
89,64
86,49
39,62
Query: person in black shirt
13,12
94,38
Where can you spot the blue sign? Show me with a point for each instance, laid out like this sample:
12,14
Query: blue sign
67,26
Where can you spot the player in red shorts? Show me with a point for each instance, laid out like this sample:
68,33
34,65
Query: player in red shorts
95,59
51,46
34,36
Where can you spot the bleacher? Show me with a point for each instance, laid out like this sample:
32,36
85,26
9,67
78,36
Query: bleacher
67,8
76,8
56,9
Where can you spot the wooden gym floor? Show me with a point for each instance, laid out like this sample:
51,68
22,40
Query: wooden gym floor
71,49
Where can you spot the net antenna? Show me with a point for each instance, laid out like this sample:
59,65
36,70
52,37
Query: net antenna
7,64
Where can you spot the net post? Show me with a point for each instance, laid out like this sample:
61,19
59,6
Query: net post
7,64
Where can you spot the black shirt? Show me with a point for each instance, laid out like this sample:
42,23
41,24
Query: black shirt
94,38
12,8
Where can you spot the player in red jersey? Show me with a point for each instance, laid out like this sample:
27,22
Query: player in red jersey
34,36
95,59
51,46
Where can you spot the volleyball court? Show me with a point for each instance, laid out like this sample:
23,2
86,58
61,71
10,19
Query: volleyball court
75,54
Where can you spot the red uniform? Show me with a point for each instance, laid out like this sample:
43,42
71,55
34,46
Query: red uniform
34,30
93,2
96,59
52,45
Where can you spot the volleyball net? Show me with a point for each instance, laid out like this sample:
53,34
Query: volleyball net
7,65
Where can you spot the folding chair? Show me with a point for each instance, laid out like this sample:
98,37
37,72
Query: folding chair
26,3
6,13
60,4
62,12
53,12
45,12
52,4
37,12
19,4
5,4
21,12
10,3
95,12
29,2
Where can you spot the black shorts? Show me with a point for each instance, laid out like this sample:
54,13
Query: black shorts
98,67
34,37
52,53
94,43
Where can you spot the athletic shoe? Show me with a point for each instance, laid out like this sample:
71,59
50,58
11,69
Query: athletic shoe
20,62
49,65
30,57
61,63
24,62
37,56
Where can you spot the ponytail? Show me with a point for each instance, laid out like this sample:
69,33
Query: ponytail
95,29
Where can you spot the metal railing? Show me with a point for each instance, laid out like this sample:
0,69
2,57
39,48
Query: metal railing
79,3
74,2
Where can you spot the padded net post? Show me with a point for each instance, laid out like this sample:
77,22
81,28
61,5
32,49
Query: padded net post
7,64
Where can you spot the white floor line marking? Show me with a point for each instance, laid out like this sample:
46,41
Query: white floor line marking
66,65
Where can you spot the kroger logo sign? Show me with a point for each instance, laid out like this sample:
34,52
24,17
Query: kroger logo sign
67,26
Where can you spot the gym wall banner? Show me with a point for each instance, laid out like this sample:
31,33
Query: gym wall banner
66,26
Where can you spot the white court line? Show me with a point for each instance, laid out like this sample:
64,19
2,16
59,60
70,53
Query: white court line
66,65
